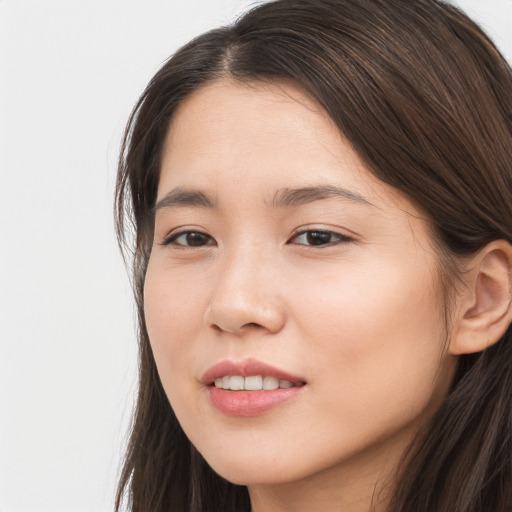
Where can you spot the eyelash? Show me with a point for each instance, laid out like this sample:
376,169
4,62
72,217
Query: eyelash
308,233
171,240
341,239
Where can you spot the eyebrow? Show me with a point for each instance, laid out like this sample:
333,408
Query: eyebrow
286,197
304,195
183,197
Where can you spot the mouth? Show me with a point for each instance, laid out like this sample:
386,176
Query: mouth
250,388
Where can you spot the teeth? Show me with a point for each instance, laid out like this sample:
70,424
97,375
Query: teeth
270,383
236,383
252,383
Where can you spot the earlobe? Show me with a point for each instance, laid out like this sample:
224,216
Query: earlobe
484,311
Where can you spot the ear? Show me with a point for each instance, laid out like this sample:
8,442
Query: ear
484,309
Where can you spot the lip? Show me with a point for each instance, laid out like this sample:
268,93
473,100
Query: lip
249,403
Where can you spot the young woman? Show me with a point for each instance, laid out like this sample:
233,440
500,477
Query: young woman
322,202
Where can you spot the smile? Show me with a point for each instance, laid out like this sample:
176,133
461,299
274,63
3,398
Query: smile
250,388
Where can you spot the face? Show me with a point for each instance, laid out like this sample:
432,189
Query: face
279,260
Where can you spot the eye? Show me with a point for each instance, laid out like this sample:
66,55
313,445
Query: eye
316,237
189,239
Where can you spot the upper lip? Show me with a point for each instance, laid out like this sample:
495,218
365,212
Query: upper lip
246,368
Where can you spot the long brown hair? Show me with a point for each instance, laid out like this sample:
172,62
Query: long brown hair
425,99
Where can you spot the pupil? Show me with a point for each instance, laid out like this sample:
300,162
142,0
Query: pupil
196,239
318,237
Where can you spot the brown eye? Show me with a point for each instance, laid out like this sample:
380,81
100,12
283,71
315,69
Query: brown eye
319,238
189,239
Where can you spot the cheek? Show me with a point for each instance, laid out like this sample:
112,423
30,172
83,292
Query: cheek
378,339
366,302
173,309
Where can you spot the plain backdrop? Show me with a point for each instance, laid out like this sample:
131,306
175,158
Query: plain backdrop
70,72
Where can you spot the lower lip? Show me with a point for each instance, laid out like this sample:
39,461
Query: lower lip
250,403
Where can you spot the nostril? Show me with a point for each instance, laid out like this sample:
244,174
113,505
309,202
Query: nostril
252,325
245,327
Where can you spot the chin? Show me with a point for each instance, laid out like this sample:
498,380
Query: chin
244,472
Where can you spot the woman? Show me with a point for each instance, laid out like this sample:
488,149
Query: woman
321,196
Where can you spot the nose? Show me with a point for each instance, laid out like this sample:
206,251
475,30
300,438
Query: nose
247,296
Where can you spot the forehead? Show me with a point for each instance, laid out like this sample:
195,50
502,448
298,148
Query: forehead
238,140
254,109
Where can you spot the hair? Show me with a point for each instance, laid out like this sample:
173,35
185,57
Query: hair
425,100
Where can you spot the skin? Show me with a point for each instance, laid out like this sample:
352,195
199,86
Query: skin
360,317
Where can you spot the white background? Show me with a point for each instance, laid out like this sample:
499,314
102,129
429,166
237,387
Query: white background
70,72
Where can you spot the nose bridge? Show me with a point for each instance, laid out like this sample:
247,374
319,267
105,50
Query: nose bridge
245,294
